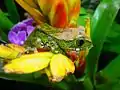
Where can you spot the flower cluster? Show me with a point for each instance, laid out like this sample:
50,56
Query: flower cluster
19,33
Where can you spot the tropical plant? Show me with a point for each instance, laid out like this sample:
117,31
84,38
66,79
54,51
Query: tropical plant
103,36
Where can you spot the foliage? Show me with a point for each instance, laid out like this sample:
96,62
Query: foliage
12,11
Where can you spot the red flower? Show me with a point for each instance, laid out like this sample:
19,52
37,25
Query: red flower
79,61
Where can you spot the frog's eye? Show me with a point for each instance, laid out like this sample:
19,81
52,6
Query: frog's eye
80,42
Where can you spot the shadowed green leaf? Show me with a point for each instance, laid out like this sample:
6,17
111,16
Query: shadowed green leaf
3,36
110,76
12,11
112,41
112,71
35,77
107,86
5,23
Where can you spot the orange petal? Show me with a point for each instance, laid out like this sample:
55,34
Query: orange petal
59,14
74,9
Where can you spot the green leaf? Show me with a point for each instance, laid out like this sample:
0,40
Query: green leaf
5,23
83,11
38,78
3,36
35,77
87,84
107,83
112,43
104,82
61,86
69,85
112,71
107,86
82,19
6,14
100,26
12,11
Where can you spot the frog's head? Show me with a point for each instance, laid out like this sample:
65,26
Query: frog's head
80,43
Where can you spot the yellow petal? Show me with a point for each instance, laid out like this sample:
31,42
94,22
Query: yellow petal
45,6
35,13
8,53
74,9
87,27
57,68
40,54
60,66
16,47
27,64
32,3
69,65
48,72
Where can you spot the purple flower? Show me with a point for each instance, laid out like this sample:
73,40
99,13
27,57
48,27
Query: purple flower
19,33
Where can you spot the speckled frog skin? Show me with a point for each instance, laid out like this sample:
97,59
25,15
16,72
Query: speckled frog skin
58,40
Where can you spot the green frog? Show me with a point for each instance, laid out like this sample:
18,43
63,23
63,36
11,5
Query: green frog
58,40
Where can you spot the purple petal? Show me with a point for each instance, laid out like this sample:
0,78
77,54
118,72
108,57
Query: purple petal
22,37
19,32
12,36
19,27
28,21
30,29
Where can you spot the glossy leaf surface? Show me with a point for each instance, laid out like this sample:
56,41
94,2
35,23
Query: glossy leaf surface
101,22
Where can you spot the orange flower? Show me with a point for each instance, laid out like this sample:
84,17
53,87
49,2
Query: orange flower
59,13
